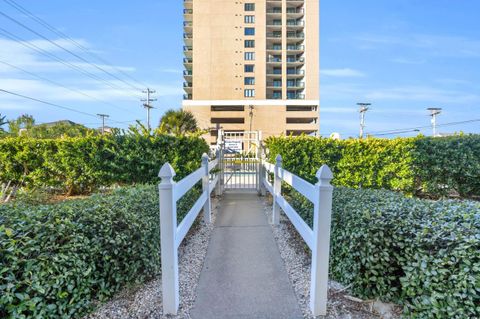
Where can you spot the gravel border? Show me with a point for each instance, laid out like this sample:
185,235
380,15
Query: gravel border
297,260
145,301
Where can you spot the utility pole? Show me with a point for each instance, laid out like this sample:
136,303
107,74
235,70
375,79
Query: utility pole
103,116
148,105
434,111
364,107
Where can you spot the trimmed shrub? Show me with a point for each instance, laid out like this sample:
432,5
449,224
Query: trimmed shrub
432,167
81,165
422,254
58,259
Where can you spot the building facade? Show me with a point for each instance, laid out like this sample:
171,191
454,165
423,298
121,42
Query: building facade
252,65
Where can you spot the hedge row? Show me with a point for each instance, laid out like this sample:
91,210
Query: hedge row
419,253
58,259
81,165
424,166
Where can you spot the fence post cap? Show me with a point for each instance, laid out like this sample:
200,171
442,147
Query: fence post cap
279,158
205,157
324,173
166,172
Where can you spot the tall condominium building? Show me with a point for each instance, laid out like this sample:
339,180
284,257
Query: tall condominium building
252,65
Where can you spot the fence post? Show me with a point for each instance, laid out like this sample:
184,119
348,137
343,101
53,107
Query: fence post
220,162
277,190
207,212
218,189
321,245
168,230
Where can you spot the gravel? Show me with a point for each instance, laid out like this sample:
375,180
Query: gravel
297,258
145,301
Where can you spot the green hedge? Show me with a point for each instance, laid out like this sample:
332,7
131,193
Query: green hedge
419,253
58,259
81,165
424,166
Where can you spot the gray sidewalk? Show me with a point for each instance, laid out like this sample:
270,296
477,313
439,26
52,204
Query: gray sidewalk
244,275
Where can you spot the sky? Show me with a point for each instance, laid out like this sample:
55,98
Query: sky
400,55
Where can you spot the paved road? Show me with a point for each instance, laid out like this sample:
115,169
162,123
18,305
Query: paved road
244,275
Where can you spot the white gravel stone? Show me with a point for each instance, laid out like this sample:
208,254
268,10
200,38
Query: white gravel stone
145,301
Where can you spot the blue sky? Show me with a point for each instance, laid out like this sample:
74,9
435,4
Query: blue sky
402,56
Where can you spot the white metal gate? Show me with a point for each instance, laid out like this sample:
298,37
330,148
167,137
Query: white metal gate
240,160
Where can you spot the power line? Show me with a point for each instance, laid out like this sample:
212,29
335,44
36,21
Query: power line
65,36
68,51
63,86
35,48
47,103
397,131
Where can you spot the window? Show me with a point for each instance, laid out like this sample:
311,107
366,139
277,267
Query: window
249,93
249,19
249,81
249,43
249,6
249,56
249,68
249,31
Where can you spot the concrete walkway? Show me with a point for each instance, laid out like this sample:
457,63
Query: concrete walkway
244,275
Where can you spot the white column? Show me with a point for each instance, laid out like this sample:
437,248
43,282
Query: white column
218,188
207,216
277,190
168,230
321,245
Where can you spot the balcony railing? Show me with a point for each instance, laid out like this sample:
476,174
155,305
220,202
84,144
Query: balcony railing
187,96
274,97
187,23
274,35
296,85
188,36
274,48
295,72
274,11
187,11
295,35
295,23
274,72
275,84
187,72
274,23
295,10
187,60
295,47
295,96
295,60
274,59
187,84
187,48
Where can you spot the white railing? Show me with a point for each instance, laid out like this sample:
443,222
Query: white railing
171,234
318,238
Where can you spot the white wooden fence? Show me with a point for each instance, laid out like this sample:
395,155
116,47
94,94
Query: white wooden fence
171,234
318,238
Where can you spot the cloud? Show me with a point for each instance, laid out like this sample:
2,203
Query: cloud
343,73
168,70
408,61
424,94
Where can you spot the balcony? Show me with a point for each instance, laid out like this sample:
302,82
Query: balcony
295,47
299,60
188,4
187,11
294,11
188,38
187,74
188,26
187,96
188,87
274,84
276,11
274,96
274,73
293,35
274,47
295,85
274,35
188,50
295,23
187,62
274,59
295,96
275,24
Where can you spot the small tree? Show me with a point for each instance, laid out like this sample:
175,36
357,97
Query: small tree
3,121
24,121
178,122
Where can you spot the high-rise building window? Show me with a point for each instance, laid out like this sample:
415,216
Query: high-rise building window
249,43
249,68
249,31
249,6
249,93
249,19
249,81
249,56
